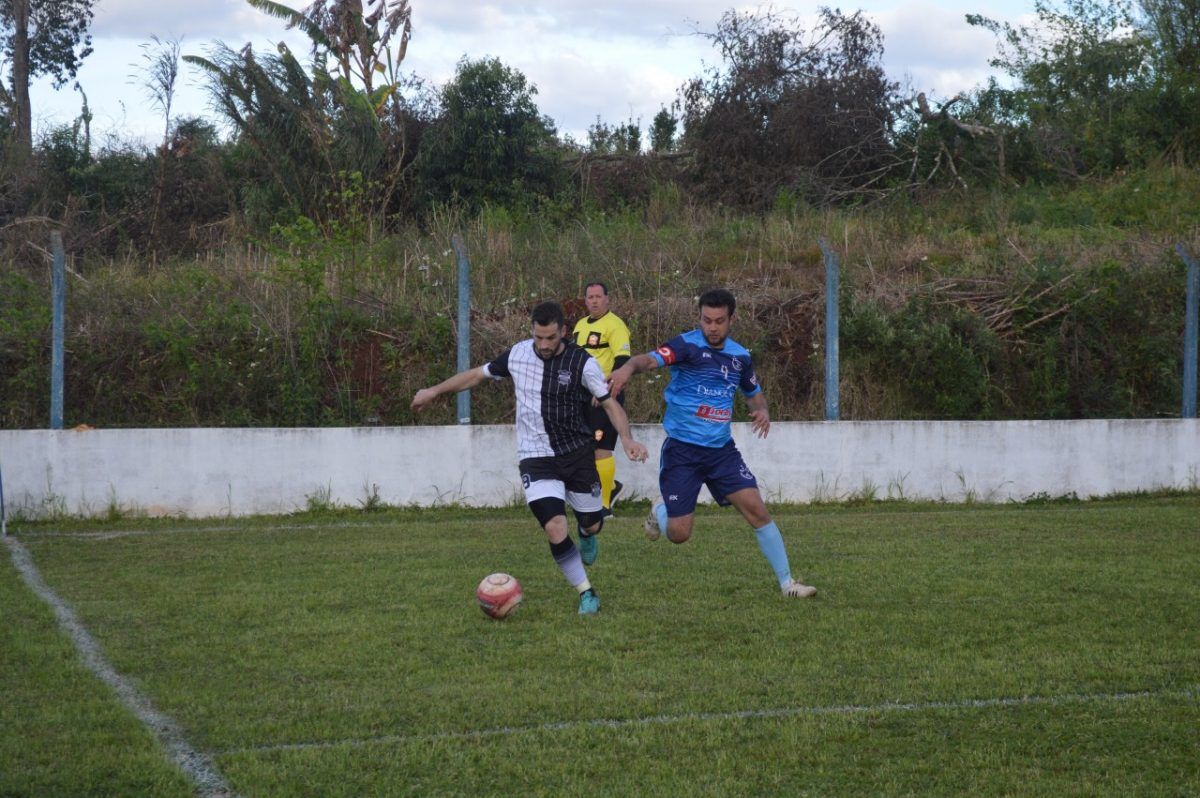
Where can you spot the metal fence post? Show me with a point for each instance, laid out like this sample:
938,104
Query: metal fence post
58,328
464,324
832,410
1190,334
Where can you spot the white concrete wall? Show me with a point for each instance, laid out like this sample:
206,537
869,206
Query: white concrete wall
211,472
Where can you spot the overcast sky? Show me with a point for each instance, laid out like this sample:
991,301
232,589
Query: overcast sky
619,59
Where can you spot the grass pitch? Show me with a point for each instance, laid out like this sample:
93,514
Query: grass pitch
996,650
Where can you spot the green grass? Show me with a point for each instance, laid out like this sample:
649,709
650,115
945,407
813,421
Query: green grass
357,638
1053,301
62,732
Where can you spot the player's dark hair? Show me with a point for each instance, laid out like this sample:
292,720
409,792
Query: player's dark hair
718,298
603,287
549,312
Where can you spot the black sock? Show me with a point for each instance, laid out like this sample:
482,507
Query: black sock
563,549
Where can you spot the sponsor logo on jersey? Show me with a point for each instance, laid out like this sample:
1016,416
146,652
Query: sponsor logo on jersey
593,339
723,392
667,354
599,434
737,364
714,414
564,377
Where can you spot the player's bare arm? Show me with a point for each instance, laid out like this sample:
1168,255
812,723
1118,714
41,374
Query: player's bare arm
461,381
635,365
616,414
760,417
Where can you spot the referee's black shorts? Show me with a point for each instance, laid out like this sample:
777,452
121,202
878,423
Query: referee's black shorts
603,432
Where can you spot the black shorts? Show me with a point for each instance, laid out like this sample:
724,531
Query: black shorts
570,477
603,432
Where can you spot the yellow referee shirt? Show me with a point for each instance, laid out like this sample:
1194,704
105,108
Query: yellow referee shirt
605,338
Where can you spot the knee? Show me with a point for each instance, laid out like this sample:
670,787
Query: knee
556,529
550,513
591,523
678,533
759,520
755,512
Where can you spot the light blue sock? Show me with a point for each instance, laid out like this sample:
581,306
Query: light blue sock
660,512
771,544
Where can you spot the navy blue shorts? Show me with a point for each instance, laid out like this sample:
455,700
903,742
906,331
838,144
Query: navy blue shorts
684,467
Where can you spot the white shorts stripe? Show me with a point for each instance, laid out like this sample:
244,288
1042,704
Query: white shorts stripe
555,489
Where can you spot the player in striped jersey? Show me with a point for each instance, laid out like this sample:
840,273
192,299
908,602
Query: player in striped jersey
551,376
708,369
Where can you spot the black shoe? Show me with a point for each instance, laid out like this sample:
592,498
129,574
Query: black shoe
616,491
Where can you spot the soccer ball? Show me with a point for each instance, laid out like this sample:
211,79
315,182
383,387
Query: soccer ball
499,595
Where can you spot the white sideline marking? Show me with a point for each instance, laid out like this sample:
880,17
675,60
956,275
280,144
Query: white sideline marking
751,714
196,765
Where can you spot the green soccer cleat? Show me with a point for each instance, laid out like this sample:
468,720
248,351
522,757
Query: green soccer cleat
589,548
589,602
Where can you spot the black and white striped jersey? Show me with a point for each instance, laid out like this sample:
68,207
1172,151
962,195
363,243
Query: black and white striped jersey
551,396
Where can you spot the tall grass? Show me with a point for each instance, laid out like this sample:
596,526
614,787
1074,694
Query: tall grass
1031,302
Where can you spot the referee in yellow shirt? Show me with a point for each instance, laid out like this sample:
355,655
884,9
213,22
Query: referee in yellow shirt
606,338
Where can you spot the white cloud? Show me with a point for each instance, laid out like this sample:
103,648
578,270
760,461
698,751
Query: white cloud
935,47
140,19
618,59
617,75
573,18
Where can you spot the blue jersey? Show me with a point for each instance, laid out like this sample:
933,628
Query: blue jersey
703,384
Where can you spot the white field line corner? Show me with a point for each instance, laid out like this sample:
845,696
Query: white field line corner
196,765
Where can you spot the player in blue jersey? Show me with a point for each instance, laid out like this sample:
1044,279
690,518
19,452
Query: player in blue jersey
708,369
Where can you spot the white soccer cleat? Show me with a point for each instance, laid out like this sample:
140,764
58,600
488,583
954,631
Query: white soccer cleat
651,522
797,590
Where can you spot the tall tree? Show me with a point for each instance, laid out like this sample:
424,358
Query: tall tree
332,133
791,110
662,131
46,37
356,36
1082,74
490,143
161,73
1173,27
